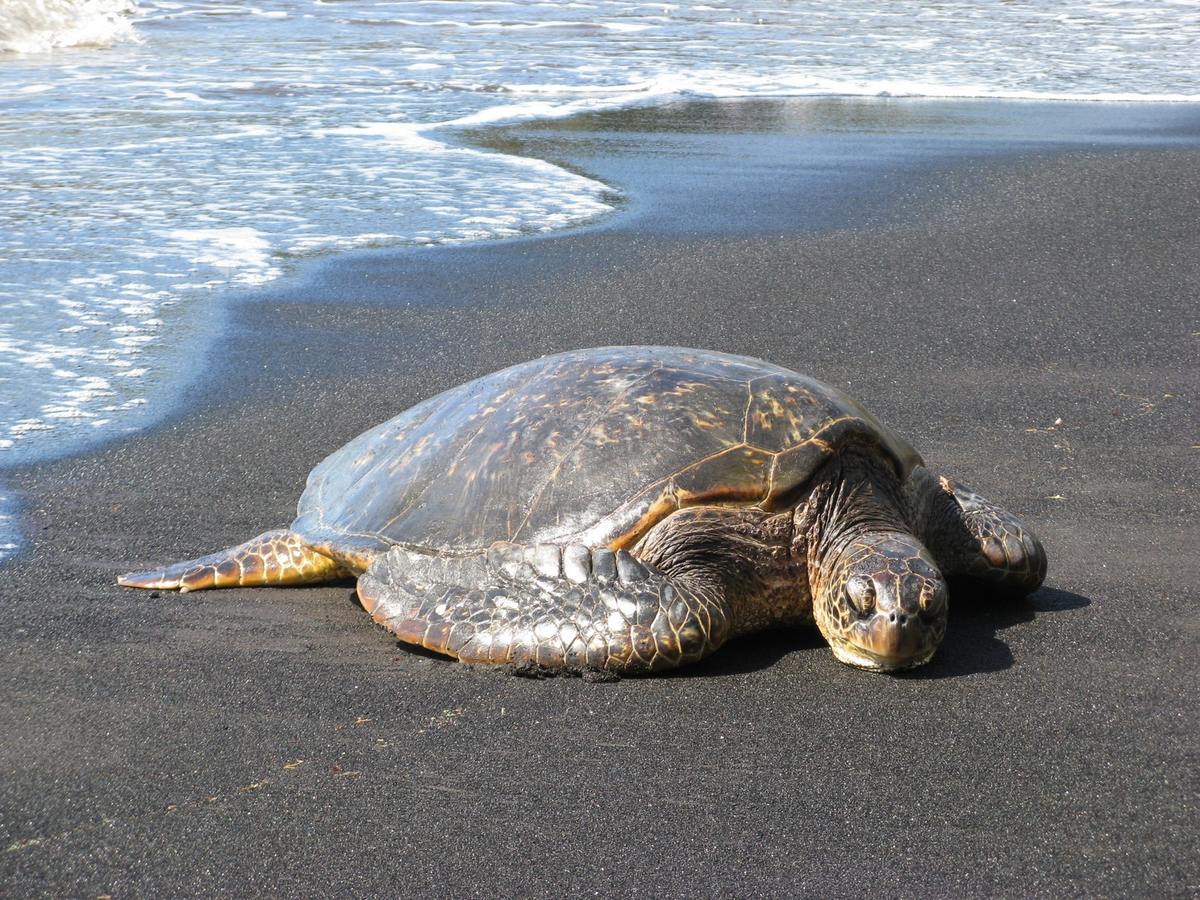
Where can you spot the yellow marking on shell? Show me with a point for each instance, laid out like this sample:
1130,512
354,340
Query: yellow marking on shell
663,498
763,420
684,388
746,413
816,437
601,437
666,504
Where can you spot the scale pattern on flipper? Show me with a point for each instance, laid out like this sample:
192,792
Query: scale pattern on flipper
1009,553
277,557
554,606
970,535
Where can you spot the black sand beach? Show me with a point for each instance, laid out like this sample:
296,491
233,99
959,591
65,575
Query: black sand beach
1014,287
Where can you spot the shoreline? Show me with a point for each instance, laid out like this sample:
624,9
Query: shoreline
1020,313
831,125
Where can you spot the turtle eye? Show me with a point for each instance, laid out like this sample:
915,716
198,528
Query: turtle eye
933,598
927,597
861,592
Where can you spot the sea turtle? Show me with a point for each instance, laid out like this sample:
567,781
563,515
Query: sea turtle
630,509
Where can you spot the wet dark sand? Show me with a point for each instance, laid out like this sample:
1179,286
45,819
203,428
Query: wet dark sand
1014,287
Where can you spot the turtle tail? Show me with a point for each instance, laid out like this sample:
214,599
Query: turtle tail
276,557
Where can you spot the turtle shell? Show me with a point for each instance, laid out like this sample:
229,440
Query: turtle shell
593,446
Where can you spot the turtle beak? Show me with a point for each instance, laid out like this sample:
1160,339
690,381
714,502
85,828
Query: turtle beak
890,642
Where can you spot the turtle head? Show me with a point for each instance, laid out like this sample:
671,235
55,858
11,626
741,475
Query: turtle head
881,602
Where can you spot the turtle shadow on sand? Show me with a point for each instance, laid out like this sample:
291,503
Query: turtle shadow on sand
754,652
971,647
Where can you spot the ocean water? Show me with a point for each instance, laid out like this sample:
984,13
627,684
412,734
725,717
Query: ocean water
156,157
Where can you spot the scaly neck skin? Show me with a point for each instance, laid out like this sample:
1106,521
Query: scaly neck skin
744,554
857,494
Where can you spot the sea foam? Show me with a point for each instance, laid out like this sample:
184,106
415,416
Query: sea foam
36,26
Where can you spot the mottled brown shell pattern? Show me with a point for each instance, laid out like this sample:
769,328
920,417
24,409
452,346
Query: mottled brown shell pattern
592,447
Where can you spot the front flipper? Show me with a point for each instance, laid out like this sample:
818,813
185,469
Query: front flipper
276,557
559,607
970,535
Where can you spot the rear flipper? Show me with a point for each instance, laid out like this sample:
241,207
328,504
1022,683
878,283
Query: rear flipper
969,535
276,557
559,607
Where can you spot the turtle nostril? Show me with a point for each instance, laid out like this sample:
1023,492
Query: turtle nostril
897,618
